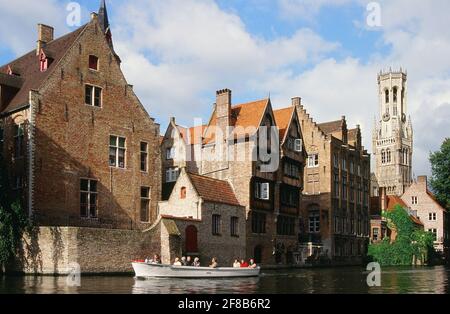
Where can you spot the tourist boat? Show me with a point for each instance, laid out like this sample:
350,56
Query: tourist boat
145,270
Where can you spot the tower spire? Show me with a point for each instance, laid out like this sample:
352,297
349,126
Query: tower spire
104,21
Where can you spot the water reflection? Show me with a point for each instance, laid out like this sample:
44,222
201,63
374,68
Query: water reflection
196,286
303,281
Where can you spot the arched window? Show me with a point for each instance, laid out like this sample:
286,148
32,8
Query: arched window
386,96
383,156
183,192
395,92
388,156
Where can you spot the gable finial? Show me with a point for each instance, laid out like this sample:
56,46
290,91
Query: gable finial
104,21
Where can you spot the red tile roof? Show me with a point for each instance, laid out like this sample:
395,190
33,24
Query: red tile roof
243,116
283,117
193,135
214,190
29,70
393,201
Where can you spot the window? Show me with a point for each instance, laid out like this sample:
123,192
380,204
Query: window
344,164
435,233
313,161
216,224
117,150
336,185
88,198
415,200
395,94
285,225
171,175
93,96
183,193
366,195
432,217
290,196
262,191
383,156
170,153
18,183
386,96
93,63
145,204
19,131
344,188
291,170
336,161
314,222
258,222
352,166
375,234
234,226
388,156
295,144
144,156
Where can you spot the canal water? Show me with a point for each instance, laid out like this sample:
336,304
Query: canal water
346,280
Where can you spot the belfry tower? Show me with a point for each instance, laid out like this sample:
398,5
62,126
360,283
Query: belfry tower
393,134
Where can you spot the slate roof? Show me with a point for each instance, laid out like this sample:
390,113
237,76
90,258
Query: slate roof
28,68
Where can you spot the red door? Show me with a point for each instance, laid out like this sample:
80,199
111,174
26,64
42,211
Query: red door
191,239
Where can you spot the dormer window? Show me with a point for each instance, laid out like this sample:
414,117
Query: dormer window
93,63
44,61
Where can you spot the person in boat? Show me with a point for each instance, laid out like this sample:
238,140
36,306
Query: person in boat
184,261
155,260
188,261
177,262
214,263
252,264
244,264
236,264
196,262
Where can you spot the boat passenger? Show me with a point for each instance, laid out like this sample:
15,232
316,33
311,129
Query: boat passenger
156,259
184,261
236,264
252,264
196,262
177,262
244,264
214,263
188,261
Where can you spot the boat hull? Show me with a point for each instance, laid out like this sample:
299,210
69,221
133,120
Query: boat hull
144,270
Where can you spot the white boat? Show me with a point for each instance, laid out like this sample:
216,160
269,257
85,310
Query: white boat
145,270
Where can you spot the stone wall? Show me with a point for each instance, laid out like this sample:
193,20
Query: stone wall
53,250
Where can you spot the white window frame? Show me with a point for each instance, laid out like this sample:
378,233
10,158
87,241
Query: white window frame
313,161
314,222
117,149
432,216
298,145
170,153
172,175
94,88
262,191
89,193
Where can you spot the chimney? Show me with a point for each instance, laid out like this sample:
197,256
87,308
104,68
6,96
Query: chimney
422,180
45,35
223,109
296,101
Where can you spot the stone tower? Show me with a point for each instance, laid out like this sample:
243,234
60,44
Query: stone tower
393,134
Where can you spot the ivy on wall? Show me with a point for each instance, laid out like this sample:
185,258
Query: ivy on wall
412,245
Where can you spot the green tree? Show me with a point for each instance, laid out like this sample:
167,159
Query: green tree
410,243
440,180
13,221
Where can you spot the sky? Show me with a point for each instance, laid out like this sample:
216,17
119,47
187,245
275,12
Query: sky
177,53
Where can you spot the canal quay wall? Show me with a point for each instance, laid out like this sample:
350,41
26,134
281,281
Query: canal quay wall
63,250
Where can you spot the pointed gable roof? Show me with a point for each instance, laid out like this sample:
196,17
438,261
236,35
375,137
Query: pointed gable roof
283,118
330,127
213,190
103,17
30,74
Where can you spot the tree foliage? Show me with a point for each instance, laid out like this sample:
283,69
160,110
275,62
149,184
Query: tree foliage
411,242
440,180
13,220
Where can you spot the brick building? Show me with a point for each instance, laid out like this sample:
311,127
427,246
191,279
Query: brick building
209,218
434,217
335,203
230,152
81,149
179,149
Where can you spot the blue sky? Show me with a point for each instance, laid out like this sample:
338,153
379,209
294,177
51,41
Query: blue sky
178,52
